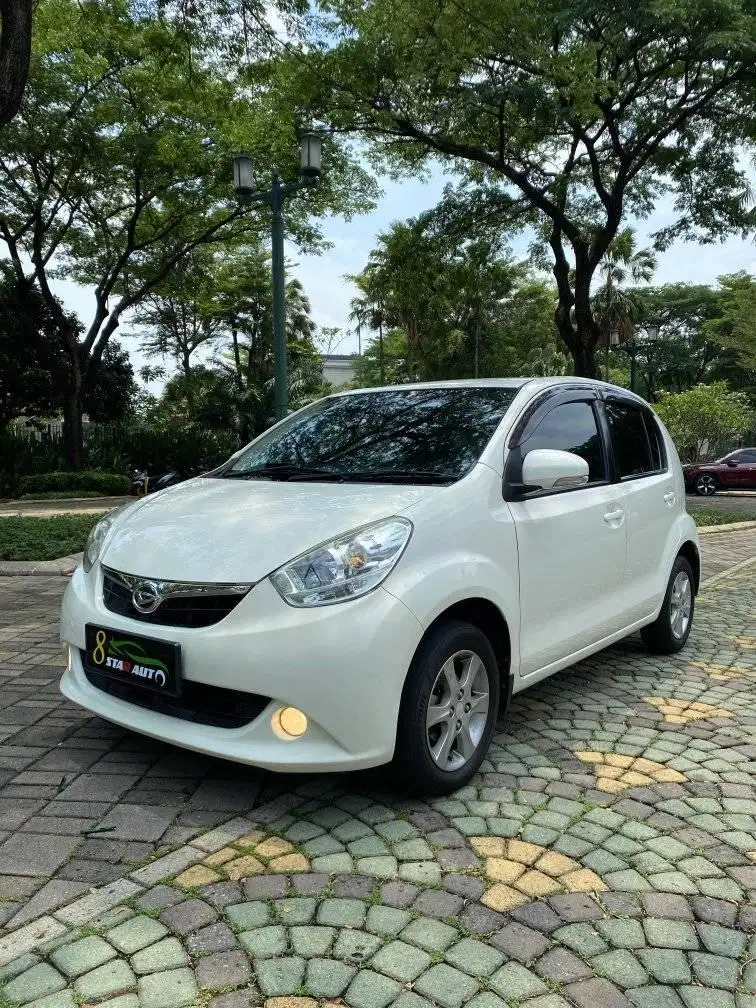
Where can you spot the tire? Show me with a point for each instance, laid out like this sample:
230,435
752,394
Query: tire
459,738
706,485
671,628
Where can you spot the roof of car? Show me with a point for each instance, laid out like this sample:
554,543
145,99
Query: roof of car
512,383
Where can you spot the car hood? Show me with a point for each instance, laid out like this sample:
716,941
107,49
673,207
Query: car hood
222,530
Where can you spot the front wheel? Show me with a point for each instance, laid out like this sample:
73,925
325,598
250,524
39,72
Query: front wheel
449,709
670,630
706,485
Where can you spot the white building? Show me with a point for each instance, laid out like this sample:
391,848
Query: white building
338,369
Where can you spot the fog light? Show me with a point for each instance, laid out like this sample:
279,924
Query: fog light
289,723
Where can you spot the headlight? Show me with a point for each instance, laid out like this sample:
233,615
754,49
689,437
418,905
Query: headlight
97,537
344,568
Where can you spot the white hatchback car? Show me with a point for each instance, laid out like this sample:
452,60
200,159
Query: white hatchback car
375,576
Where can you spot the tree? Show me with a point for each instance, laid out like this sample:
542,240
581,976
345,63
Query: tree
34,367
736,326
615,308
116,170
563,116
15,52
705,417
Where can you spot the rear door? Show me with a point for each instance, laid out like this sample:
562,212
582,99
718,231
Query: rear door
650,498
571,543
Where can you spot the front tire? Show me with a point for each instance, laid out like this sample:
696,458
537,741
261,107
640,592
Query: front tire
670,630
706,485
449,708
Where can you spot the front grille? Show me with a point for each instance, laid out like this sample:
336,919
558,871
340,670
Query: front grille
195,610
198,703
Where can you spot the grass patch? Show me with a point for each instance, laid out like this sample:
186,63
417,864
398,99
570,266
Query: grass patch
703,516
44,538
62,495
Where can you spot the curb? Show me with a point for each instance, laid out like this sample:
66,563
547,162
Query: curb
63,567
731,527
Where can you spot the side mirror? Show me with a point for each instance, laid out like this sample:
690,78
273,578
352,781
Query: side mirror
549,469
732,463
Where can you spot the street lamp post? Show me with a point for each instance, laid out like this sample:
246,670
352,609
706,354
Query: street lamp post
244,187
631,348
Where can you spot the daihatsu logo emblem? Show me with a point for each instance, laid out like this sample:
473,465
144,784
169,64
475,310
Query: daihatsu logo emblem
146,597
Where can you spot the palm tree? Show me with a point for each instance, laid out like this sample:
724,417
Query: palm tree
614,308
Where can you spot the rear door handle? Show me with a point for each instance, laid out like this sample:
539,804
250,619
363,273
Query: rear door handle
614,516
669,498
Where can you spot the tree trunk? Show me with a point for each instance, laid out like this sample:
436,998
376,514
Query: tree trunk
15,52
73,425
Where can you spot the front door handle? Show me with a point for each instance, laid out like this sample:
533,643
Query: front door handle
669,498
614,517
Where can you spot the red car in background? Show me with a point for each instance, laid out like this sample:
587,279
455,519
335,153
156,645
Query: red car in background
734,471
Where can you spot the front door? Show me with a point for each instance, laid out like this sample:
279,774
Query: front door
571,545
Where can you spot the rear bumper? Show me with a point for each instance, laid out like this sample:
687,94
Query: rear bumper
343,665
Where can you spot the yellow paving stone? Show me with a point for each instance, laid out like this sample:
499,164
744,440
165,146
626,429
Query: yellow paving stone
555,864
668,776
723,673
503,897
273,847
535,883
489,846
632,778
618,760
680,712
614,772
250,839
290,863
243,866
751,854
502,870
610,786
293,1002
525,853
745,642
583,880
220,857
197,876
590,757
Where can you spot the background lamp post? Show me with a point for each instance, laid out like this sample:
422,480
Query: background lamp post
651,330
244,187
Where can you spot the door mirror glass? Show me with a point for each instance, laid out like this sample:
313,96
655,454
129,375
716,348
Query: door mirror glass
551,469
732,462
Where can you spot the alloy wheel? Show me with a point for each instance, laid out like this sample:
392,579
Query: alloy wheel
706,485
680,604
457,710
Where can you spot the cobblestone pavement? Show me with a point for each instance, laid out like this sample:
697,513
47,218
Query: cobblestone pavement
604,857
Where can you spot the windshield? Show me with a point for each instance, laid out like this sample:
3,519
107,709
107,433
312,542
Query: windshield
400,435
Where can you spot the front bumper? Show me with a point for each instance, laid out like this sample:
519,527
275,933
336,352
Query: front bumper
343,665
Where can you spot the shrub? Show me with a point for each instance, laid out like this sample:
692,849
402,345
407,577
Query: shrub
106,483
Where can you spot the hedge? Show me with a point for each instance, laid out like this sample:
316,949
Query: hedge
106,483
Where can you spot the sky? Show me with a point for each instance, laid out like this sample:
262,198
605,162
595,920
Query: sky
322,276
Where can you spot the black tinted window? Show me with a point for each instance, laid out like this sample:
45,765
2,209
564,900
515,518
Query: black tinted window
748,455
632,447
571,427
441,430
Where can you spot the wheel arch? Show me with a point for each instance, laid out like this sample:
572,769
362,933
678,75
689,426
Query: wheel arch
690,551
487,617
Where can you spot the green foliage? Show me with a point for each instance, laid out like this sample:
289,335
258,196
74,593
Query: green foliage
565,117
44,538
106,483
736,326
447,308
703,416
704,517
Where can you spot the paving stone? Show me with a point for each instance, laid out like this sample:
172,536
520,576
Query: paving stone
401,961
621,968
581,938
722,941
622,933
561,966
705,997
222,969
596,993
371,990
113,978
215,938
82,956
575,907
539,916
667,966
446,986
266,887
159,898
172,989
249,915
341,913
265,942
277,977
714,970
327,977
655,997
515,982
311,941
63,999
398,894
136,933
299,910
191,915
474,957
519,942
432,935
386,920
714,911
670,934
438,904
356,946
167,954
37,982
668,906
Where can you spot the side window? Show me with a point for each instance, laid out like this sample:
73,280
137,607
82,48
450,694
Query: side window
658,452
571,427
747,456
632,446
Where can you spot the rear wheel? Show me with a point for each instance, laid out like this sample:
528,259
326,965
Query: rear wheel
669,632
706,485
449,709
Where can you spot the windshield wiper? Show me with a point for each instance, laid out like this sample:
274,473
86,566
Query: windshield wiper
399,476
282,472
